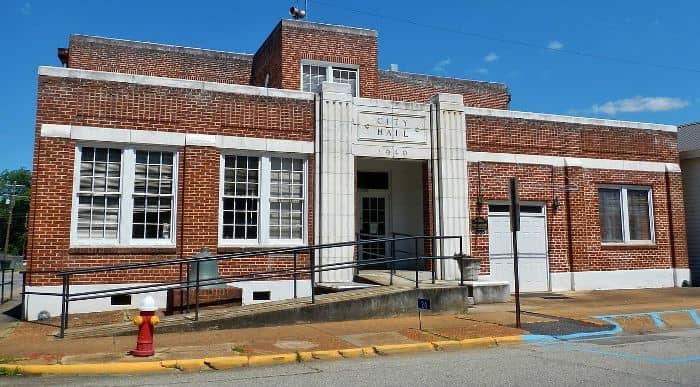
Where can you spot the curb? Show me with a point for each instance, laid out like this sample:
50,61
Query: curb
230,362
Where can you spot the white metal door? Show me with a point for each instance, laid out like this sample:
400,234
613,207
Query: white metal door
532,247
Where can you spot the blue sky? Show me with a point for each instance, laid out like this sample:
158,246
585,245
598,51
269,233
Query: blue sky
628,60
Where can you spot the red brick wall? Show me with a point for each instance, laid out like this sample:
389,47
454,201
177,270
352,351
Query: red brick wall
544,183
420,88
119,56
327,46
505,135
130,106
108,104
268,61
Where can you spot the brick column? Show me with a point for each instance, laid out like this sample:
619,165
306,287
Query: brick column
199,201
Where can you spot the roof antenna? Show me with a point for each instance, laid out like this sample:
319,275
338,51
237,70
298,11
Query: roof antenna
299,13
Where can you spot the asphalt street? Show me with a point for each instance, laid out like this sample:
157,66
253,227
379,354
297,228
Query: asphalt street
667,358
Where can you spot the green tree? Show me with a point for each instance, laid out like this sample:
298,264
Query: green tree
17,182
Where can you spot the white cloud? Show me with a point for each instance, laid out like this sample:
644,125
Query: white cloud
482,71
555,45
441,65
491,57
640,104
26,9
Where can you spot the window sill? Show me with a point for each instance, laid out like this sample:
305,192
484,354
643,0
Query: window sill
223,249
120,250
629,246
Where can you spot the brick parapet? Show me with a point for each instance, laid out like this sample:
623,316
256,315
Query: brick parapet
123,56
525,136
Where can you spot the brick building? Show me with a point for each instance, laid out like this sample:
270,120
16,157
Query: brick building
146,152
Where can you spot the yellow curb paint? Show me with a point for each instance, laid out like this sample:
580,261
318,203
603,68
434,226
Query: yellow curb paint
447,345
326,355
226,362
77,369
369,351
263,360
351,353
305,356
403,348
479,342
187,365
509,340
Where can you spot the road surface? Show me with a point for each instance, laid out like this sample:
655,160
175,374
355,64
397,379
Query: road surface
667,358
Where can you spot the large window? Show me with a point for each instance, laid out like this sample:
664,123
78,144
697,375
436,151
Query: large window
99,193
153,195
626,214
241,197
263,200
313,75
123,197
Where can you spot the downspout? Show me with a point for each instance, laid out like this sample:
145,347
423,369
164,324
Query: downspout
319,172
182,200
569,229
671,238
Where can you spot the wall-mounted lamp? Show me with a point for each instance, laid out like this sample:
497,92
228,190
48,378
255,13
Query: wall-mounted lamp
555,203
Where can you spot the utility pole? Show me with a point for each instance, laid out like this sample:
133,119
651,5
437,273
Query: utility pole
11,200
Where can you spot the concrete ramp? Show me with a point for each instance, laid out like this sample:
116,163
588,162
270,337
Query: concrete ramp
368,303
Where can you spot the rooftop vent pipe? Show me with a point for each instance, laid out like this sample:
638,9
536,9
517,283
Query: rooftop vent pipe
63,56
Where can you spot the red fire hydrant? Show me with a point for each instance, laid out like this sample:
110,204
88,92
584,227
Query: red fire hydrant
146,321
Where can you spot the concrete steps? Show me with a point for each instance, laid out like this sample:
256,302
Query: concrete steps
373,302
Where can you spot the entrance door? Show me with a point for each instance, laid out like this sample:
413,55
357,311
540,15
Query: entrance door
532,247
374,223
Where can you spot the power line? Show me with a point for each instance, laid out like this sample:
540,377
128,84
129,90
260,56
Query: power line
514,42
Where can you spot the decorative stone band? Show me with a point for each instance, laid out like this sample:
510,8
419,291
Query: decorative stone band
588,163
472,111
62,72
149,137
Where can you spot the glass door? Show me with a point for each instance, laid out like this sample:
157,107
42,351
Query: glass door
373,224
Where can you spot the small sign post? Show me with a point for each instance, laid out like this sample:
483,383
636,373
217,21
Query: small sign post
514,228
423,304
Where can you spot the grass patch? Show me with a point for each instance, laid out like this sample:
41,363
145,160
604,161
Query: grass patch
9,371
237,348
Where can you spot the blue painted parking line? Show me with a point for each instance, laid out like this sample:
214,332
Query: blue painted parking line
655,316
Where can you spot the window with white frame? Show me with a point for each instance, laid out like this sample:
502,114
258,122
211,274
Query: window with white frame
99,193
626,214
153,195
286,198
313,75
241,198
124,197
263,200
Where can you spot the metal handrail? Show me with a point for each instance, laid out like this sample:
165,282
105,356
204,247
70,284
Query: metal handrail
3,283
196,283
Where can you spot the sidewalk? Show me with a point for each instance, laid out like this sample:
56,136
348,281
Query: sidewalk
550,314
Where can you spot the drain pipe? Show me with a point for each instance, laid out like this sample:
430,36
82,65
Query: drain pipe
671,238
569,229
319,188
